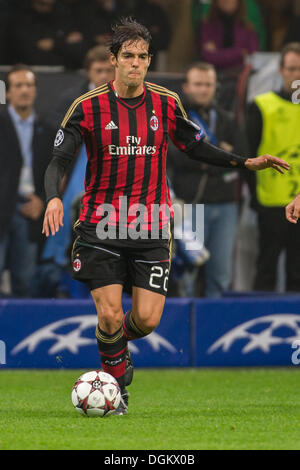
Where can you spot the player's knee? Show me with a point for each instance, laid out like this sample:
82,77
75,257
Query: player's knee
109,315
150,323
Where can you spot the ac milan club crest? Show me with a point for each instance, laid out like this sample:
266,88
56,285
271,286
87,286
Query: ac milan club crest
154,123
77,265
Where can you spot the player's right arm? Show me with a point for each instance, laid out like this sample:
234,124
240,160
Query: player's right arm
67,142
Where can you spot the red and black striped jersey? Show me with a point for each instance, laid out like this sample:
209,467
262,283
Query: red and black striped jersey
126,148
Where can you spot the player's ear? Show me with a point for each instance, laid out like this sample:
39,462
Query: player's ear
113,60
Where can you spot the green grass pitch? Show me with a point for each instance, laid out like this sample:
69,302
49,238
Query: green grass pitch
169,409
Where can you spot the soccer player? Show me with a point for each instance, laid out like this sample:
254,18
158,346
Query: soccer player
125,125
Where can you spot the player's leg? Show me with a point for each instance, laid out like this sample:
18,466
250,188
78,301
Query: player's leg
142,319
145,315
103,268
149,269
112,343
108,302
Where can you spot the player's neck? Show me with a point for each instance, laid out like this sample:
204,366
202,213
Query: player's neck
125,91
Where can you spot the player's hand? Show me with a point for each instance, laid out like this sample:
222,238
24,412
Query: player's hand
292,211
267,161
53,217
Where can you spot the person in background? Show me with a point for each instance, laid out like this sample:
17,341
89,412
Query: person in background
35,31
282,22
75,42
292,210
102,15
44,32
212,186
273,126
5,15
226,37
25,152
153,16
200,10
97,70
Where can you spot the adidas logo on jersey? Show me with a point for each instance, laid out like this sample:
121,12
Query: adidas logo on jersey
111,125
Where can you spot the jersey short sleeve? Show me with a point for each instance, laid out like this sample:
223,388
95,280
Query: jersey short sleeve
184,133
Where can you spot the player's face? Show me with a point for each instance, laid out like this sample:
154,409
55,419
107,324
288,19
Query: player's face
22,90
132,63
100,73
290,71
200,86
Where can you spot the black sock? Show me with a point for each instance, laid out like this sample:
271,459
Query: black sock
112,349
131,330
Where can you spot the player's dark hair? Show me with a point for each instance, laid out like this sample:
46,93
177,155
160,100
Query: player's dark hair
18,68
128,29
291,47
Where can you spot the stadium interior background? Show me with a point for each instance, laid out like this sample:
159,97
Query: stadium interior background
177,26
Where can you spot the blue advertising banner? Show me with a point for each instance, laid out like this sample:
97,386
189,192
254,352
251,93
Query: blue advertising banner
203,333
61,334
247,331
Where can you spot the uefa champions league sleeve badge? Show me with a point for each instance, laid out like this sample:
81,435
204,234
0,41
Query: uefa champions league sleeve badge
59,138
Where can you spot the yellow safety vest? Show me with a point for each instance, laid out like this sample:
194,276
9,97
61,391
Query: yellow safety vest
280,138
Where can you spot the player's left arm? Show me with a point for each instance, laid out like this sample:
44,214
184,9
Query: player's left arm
189,138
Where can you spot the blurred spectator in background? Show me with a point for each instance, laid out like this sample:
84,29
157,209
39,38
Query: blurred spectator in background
215,187
25,152
76,40
226,37
153,16
98,70
200,10
5,12
282,21
273,128
102,15
42,32
37,28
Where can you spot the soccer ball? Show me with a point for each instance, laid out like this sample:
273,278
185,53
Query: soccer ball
96,394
